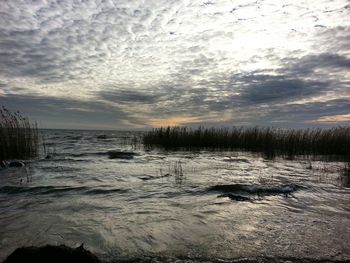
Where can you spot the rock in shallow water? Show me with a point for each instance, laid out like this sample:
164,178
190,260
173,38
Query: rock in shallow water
52,254
48,157
121,155
16,164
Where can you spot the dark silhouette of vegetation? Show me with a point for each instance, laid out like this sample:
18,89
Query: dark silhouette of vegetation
271,142
18,136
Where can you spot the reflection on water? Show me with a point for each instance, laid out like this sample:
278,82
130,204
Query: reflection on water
96,188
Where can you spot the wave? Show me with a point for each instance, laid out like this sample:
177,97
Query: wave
121,155
82,154
243,192
60,159
150,177
39,189
102,136
238,160
47,190
106,191
112,154
73,137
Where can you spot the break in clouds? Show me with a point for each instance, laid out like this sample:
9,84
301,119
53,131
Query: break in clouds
139,64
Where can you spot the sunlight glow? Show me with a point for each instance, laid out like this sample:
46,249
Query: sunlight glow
334,118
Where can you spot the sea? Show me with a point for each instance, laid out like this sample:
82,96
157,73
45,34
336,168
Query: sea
129,203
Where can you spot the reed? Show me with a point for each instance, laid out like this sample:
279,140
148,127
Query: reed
18,136
271,142
346,171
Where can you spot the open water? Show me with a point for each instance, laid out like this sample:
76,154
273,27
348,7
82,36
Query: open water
125,202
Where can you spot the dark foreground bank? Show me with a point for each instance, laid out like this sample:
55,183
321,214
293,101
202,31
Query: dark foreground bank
62,253
53,254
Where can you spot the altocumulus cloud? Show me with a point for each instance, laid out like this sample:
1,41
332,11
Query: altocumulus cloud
135,64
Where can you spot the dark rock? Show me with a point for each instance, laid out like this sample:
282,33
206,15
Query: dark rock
16,164
49,157
121,155
262,190
52,254
102,136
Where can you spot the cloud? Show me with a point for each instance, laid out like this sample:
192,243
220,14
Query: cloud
220,98
310,113
276,89
310,63
127,96
190,61
334,39
69,113
334,119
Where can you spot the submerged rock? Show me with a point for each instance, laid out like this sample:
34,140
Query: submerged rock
121,155
16,164
48,157
52,254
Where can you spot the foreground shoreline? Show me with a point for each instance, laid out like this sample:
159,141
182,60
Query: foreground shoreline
62,253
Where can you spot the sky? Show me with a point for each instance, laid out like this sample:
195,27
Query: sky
107,64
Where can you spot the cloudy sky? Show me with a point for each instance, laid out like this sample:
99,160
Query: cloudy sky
124,64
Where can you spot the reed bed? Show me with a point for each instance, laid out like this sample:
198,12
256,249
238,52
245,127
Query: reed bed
271,142
18,136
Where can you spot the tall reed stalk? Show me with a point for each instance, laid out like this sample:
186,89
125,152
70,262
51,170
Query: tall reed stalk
18,136
270,142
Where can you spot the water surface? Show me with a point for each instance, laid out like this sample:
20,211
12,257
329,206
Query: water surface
122,201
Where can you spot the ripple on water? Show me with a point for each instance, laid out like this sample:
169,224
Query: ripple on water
47,190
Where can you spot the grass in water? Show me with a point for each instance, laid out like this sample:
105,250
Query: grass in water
18,136
271,142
